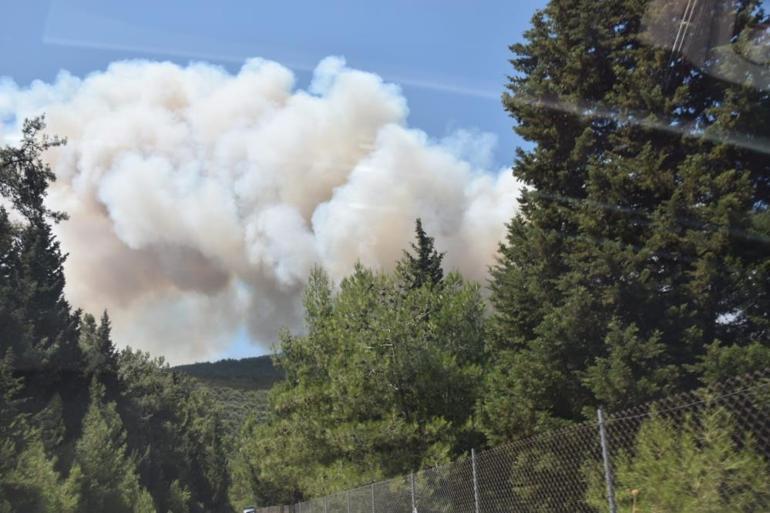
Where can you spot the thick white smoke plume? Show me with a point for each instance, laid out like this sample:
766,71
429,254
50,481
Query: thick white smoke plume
199,200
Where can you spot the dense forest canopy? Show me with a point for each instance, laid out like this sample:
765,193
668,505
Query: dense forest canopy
637,266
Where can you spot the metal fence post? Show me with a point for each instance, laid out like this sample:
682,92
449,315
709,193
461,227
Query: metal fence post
347,497
325,501
475,482
411,478
607,463
373,498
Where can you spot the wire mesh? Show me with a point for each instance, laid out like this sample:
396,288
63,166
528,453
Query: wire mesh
702,451
445,489
705,450
392,495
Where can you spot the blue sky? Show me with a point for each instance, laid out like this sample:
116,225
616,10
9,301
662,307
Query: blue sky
449,56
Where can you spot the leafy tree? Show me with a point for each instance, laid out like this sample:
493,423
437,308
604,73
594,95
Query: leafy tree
244,473
380,385
694,466
24,177
255,467
144,503
638,245
8,264
209,456
35,486
175,426
720,362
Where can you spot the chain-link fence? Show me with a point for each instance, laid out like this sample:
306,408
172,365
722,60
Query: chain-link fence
705,451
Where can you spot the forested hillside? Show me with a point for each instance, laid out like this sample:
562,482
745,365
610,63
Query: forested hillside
238,387
257,373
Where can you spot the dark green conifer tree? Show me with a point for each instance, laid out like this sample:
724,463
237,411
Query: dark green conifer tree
424,266
108,477
640,251
50,422
43,331
99,352
36,322
29,480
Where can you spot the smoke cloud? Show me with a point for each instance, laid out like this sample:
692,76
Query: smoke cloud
199,200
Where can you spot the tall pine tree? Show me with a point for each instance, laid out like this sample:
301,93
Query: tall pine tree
108,479
37,323
424,266
641,247
99,352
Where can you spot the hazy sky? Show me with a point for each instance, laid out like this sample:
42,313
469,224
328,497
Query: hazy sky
450,57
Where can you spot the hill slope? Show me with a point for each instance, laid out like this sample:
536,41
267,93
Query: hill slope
240,386
257,373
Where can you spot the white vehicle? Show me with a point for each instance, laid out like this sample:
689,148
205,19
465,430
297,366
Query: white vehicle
250,510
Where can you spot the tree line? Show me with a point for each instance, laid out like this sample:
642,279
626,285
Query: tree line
638,265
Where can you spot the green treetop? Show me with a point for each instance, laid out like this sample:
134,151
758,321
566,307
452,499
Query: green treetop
424,266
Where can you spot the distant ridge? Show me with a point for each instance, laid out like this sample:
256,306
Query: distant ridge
239,386
256,373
